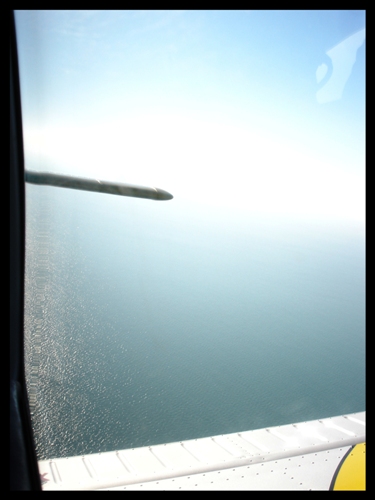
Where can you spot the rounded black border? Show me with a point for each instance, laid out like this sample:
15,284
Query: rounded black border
332,485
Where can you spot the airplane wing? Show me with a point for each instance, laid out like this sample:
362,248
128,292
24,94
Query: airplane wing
315,455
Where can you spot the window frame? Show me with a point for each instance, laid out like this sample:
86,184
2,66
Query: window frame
24,472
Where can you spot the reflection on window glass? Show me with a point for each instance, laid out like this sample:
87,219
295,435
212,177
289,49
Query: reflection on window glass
239,304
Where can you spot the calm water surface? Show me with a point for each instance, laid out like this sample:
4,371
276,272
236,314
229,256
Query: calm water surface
145,326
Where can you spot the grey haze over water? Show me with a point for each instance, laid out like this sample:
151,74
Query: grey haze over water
145,325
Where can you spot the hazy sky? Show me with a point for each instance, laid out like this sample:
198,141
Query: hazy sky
255,110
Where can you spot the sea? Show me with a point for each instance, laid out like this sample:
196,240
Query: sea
150,322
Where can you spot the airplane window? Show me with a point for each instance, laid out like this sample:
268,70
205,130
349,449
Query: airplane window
239,303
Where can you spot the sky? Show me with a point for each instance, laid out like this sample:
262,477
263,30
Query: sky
252,110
